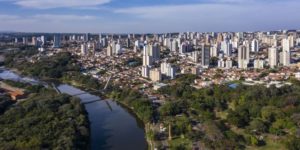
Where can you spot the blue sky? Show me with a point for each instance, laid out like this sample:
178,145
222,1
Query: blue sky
145,16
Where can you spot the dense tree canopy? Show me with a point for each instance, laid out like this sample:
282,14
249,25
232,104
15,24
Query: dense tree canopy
248,112
46,120
5,102
132,98
49,67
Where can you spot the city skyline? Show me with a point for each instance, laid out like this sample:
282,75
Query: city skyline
133,16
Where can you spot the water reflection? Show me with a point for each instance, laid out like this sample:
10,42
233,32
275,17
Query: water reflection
112,126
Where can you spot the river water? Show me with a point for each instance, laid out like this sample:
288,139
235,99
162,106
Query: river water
113,127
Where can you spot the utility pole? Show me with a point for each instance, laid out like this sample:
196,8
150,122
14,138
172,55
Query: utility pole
170,132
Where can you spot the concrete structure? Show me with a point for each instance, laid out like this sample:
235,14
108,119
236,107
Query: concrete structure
254,45
226,47
56,41
258,64
84,49
151,53
229,63
168,70
273,57
243,57
109,51
221,63
155,75
285,55
145,71
205,55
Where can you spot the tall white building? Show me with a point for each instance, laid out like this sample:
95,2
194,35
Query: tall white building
247,44
286,44
109,50
243,57
254,45
273,57
298,42
291,41
114,47
214,50
221,63
43,40
56,42
285,58
195,56
145,71
285,55
147,60
174,46
155,75
258,64
235,42
25,40
229,63
153,51
104,42
84,49
118,48
168,70
226,47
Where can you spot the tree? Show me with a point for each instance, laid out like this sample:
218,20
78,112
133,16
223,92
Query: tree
169,109
293,143
257,126
270,113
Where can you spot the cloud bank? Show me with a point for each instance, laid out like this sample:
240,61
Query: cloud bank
209,15
47,4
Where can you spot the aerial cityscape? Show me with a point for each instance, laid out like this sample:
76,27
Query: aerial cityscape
149,76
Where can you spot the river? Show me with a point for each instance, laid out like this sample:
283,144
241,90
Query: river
113,127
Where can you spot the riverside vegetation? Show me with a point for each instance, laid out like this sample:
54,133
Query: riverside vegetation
44,119
218,117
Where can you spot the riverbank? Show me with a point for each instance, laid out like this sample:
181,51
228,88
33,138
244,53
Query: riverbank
46,98
45,120
145,124
50,69
123,104
111,122
137,103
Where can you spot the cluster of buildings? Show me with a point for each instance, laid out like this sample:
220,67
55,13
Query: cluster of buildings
165,56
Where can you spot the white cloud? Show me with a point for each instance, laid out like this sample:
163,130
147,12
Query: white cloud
46,17
51,17
47,4
241,16
47,23
5,17
217,15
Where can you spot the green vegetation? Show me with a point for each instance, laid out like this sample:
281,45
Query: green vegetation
62,66
5,102
141,106
48,67
180,144
80,80
28,87
22,53
45,120
233,118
